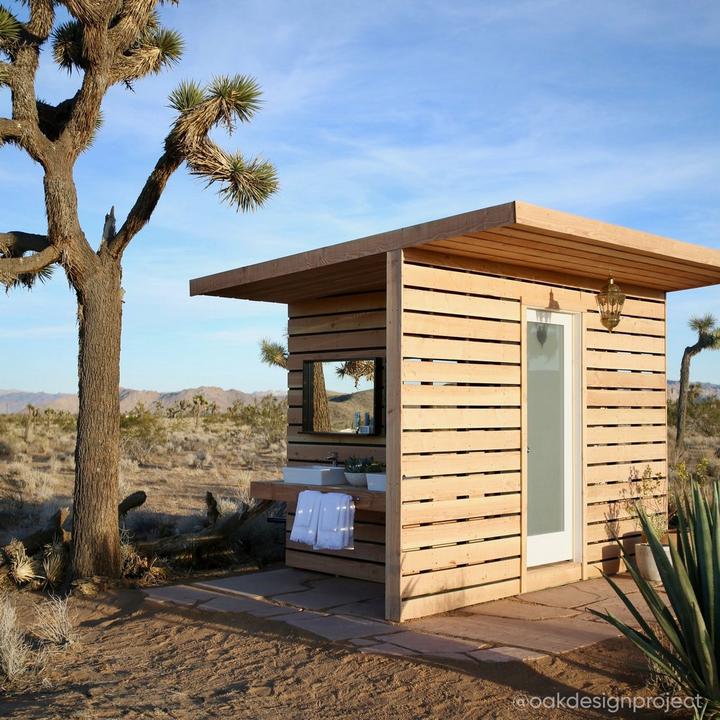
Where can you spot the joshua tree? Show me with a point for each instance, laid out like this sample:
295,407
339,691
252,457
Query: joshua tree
32,413
357,370
708,339
108,42
276,354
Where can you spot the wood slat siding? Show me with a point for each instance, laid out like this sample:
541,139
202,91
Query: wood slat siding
461,455
335,328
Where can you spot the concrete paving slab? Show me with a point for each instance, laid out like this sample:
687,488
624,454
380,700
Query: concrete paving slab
276,612
331,592
263,584
336,627
426,644
373,609
226,603
520,609
505,654
179,595
387,649
575,595
549,636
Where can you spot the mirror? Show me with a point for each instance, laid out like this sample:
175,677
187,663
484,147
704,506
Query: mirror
343,396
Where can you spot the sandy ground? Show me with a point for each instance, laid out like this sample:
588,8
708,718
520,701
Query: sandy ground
140,660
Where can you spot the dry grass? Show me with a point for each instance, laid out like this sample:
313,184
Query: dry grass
216,454
54,622
17,656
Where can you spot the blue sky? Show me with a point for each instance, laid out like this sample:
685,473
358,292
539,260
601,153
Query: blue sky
379,115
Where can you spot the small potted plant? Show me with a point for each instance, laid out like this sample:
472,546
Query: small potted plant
355,471
376,476
654,509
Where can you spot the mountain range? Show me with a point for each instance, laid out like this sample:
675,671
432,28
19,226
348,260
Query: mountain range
12,401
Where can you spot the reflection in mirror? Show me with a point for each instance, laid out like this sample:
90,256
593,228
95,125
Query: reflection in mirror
342,396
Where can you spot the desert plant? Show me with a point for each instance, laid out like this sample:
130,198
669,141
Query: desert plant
54,563
142,432
651,500
108,44
686,646
708,339
356,465
23,569
266,418
16,653
372,466
54,622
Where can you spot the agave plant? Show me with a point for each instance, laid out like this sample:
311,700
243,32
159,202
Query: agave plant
686,645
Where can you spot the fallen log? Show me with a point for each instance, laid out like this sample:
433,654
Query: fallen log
53,531
132,501
223,532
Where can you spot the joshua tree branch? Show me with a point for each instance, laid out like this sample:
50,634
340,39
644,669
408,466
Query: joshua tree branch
134,19
11,268
15,243
26,135
146,202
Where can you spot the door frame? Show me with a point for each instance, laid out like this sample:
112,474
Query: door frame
575,322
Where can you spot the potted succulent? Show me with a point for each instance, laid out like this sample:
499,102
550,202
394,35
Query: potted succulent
355,471
653,508
376,476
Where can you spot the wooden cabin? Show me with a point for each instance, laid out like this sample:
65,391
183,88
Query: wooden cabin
515,427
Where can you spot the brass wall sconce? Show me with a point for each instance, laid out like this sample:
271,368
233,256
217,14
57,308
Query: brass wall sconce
610,302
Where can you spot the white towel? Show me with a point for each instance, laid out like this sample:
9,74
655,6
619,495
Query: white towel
306,517
335,525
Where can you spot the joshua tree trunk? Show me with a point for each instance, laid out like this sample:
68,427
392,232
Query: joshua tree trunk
690,352
96,540
321,407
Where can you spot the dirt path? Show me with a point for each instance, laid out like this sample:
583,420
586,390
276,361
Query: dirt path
137,660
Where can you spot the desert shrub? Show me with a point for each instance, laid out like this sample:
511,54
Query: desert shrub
683,644
16,653
23,569
54,623
142,432
7,450
266,418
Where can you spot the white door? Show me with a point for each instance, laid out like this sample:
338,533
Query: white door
551,437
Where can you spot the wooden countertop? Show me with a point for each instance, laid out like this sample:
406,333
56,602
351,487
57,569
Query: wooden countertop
280,491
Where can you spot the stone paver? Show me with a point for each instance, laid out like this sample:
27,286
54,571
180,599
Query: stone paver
263,584
431,644
387,649
333,592
505,654
225,603
566,596
179,595
521,628
520,609
374,609
555,636
336,627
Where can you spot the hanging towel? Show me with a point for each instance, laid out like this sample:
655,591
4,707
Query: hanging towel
306,517
336,521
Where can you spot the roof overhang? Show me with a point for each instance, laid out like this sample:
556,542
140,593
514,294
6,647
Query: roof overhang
515,233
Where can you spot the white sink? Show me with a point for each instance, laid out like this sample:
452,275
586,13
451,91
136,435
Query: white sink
315,475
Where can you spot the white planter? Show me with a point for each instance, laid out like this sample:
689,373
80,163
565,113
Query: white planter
377,481
646,562
356,479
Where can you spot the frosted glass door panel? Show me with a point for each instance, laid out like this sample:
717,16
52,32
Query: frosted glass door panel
546,428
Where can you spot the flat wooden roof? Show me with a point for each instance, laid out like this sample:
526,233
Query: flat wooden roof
515,233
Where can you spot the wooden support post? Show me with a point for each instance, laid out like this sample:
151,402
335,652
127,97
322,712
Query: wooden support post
393,498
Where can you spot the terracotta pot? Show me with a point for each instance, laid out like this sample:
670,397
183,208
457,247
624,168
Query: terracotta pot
646,562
